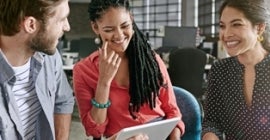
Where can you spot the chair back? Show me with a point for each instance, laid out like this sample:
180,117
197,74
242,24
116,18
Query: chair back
191,113
187,68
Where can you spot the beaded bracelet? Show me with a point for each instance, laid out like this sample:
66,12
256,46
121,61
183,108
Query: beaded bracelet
98,105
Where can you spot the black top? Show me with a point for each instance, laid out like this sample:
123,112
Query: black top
225,107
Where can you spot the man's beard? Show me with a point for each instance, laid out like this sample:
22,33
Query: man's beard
42,42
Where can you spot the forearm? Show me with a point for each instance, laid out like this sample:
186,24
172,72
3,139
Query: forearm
62,126
102,97
175,134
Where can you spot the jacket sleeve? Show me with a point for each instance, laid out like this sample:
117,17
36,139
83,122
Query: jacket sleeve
64,100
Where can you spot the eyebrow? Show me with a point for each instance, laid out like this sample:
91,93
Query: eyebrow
235,20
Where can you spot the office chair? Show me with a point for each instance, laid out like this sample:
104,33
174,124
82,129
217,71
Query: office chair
191,113
186,69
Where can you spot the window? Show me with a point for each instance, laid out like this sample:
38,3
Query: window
208,17
150,15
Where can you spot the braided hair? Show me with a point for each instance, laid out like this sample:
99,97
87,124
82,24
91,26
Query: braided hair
145,76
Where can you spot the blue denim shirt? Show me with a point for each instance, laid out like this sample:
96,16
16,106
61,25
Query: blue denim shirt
53,91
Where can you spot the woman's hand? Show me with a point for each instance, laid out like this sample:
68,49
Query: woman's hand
210,136
175,134
108,66
108,63
136,137
139,137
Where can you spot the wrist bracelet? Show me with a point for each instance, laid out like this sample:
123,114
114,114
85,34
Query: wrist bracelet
98,105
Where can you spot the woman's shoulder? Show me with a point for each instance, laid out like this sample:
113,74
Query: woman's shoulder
89,61
225,65
225,62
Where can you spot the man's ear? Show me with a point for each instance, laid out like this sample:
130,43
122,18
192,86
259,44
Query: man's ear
94,27
30,24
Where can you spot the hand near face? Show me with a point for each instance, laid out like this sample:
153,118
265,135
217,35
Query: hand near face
109,63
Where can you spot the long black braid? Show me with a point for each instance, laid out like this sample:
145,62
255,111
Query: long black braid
145,76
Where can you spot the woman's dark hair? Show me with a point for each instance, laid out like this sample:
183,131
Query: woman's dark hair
145,76
256,11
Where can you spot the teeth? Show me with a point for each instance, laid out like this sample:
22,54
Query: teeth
232,43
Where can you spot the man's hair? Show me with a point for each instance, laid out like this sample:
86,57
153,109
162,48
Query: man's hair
13,13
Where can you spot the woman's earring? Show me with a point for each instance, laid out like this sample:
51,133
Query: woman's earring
260,38
97,40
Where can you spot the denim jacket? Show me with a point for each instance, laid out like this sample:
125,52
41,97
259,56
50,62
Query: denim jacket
53,91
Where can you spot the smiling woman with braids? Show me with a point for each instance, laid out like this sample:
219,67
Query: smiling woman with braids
124,83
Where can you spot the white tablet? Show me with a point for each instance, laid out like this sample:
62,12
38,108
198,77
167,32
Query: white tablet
159,130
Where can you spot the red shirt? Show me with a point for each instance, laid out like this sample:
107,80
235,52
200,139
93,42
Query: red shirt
85,77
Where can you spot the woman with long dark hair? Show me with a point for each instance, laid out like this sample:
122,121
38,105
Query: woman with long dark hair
237,106
124,83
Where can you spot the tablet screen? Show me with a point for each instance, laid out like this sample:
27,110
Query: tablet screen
159,130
